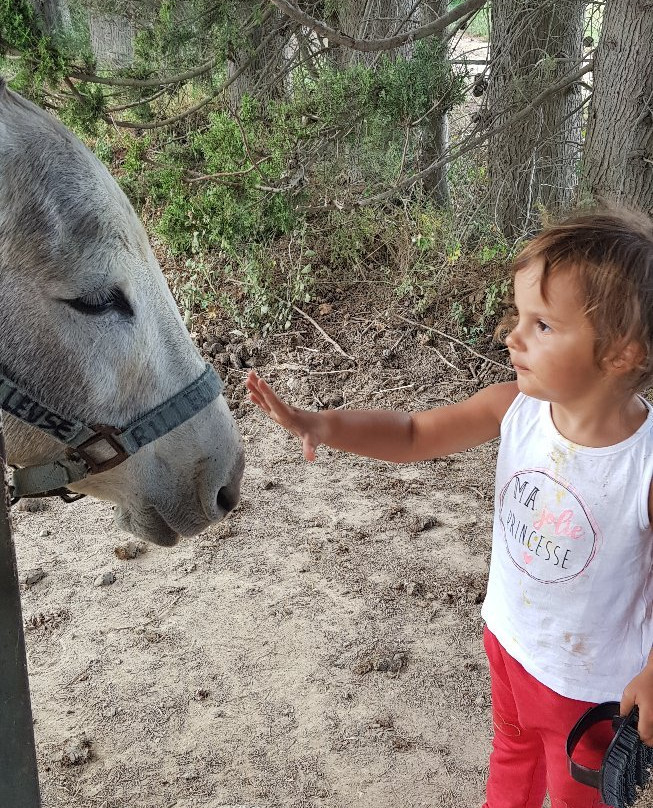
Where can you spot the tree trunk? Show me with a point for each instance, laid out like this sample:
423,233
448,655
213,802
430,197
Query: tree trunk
54,14
112,39
435,133
374,19
532,162
262,75
618,156
560,149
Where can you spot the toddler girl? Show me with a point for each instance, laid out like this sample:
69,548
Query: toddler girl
570,592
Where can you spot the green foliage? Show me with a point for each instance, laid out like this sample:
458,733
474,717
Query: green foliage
251,161
400,90
476,321
159,44
82,111
351,236
40,61
182,35
373,115
212,191
196,289
268,291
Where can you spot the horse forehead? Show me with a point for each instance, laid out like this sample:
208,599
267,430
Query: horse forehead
71,193
60,209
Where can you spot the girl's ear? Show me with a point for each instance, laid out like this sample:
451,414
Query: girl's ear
625,359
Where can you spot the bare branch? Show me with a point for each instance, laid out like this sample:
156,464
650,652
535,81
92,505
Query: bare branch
221,174
322,331
204,101
156,82
147,100
370,45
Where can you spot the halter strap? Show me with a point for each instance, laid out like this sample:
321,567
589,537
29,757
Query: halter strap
87,445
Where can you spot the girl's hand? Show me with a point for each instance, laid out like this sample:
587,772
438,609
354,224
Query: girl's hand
640,692
302,423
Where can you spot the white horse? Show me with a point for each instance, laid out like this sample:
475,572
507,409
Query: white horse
90,335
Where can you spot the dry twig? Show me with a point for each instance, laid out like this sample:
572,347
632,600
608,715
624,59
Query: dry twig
323,332
456,341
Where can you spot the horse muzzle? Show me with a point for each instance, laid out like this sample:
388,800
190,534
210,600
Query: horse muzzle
218,498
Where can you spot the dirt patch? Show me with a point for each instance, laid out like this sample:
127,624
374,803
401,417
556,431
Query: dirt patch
321,647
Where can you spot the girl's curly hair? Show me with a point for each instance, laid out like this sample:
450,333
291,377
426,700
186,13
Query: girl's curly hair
609,252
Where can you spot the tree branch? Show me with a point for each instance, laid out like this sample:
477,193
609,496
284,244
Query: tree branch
370,45
204,101
157,82
149,99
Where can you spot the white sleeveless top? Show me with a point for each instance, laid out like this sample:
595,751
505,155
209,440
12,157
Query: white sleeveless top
570,594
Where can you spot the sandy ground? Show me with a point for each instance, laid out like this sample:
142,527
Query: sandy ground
320,648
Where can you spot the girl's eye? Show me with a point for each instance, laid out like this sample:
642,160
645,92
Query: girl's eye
543,327
101,302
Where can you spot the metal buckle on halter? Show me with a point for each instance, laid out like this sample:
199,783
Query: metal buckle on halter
102,433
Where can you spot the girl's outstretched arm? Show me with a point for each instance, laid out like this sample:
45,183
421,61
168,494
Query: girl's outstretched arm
399,437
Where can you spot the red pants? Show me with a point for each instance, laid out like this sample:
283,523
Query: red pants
531,724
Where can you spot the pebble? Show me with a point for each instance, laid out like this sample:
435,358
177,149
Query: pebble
128,550
105,578
76,751
33,576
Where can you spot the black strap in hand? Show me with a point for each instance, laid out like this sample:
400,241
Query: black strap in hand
626,765
608,711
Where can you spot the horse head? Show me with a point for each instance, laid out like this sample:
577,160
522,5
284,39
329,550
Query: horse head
92,333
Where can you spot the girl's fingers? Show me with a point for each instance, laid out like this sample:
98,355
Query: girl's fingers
256,399
263,391
253,382
261,394
271,404
267,392
309,448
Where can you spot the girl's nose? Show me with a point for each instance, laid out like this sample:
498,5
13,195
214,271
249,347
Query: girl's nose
513,340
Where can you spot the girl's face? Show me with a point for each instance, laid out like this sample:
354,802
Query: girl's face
552,346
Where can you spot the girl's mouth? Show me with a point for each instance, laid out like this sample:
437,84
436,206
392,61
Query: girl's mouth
518,367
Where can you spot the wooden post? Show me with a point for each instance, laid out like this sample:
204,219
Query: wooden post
19,782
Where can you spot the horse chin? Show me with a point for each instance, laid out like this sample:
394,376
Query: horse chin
146,524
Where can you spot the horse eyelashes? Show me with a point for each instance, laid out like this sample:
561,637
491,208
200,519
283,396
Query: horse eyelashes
101,302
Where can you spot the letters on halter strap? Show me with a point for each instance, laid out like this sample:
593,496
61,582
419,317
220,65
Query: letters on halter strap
97,448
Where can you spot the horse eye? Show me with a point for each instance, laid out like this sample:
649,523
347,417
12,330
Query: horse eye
100,302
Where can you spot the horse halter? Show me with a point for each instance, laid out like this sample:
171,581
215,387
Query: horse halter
87,445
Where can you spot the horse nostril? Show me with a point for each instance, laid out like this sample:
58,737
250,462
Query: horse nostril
228,497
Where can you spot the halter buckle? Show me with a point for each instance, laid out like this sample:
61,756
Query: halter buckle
102,433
